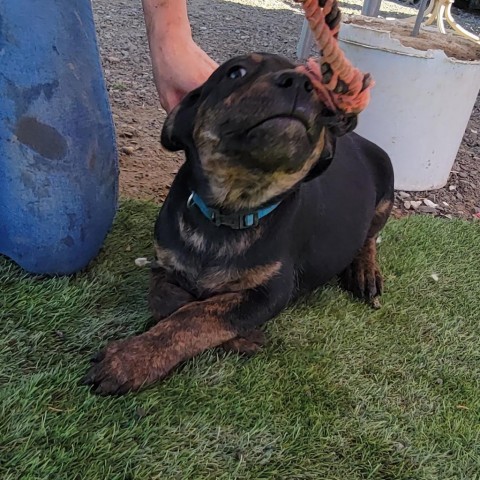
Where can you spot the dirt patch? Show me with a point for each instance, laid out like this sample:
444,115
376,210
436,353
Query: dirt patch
453,45
146,169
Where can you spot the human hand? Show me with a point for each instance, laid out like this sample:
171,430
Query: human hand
179,66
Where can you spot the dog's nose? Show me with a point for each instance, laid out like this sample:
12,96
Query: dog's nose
293,80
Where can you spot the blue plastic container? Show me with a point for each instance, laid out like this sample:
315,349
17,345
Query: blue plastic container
58,160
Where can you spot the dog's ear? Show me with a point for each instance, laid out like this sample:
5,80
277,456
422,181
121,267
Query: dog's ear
178,127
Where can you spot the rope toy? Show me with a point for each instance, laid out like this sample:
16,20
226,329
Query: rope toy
337,82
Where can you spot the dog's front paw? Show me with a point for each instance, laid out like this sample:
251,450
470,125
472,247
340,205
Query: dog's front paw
124,366
248,344
364,280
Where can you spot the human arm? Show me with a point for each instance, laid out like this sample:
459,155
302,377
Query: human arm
179,64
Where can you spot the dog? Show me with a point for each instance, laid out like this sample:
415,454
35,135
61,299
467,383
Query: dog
277,196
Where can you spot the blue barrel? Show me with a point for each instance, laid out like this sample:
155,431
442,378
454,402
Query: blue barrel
58,159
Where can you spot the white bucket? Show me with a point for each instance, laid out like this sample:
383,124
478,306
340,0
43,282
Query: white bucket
420,105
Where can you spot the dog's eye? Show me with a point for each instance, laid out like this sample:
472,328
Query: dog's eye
236,72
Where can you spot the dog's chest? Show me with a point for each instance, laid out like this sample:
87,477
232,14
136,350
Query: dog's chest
206,266
195,273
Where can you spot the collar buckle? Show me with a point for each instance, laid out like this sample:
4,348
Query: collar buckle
236,221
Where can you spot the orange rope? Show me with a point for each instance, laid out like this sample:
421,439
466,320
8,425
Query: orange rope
347,89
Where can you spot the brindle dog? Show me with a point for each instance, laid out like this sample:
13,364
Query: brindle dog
256,137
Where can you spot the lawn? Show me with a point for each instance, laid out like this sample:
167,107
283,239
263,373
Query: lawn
341,392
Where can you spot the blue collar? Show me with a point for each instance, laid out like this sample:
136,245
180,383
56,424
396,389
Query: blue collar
237,221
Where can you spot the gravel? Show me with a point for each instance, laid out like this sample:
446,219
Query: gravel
225,29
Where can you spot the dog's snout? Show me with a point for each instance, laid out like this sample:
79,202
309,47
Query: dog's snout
293,80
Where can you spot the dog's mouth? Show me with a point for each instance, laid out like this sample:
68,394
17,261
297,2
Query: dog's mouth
280,122
280,128
272,140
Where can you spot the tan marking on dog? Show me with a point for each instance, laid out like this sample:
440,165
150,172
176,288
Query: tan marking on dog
242,241
256,57
382,212
231,100
221,280
167,259
235,186
239,245
384,208
191,237
217,279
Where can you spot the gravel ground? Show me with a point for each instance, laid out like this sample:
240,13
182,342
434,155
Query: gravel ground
224,29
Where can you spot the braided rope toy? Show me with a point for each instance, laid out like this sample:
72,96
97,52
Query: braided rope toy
337,82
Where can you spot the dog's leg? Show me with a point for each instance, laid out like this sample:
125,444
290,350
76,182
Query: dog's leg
363,277
141,360
164,298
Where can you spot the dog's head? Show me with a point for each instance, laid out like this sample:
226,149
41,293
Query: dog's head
254,130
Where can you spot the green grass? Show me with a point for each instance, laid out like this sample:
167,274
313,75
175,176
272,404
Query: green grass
342,391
